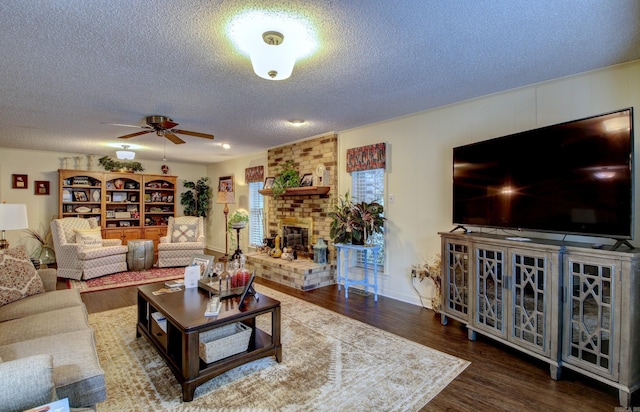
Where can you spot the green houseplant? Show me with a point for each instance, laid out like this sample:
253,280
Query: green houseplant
354,222
43,236
111,165
196,200
286,176
237,219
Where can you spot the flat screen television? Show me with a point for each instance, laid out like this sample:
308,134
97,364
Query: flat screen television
569,178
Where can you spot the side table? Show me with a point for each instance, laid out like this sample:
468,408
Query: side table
140,255
342,261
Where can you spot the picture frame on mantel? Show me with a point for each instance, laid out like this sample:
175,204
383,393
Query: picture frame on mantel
19,181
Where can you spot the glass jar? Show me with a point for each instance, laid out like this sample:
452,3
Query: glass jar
241,277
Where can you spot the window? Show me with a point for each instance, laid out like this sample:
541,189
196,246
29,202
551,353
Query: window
256,214
368,186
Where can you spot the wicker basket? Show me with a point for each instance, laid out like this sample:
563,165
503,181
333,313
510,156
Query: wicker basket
224,341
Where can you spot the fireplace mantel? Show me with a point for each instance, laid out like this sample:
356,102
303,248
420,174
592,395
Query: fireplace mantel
299,191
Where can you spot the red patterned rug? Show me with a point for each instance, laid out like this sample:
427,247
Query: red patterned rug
124,279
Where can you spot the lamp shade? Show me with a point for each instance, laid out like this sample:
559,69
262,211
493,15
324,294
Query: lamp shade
13,216
226,197
125,154
272,62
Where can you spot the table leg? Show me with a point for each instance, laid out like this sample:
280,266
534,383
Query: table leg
275,330
375,275
346,274
338,262
366,272
190,364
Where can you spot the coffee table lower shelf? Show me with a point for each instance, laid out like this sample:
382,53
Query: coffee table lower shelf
179,345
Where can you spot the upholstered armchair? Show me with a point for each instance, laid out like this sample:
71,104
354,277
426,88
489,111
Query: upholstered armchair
185,238
81,253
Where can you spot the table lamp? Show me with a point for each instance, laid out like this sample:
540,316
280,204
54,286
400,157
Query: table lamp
12,217
226,198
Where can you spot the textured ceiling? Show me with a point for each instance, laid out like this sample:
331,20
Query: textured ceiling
68,66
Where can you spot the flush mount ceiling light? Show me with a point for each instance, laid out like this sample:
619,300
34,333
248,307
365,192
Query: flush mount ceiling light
274,41
296,122
125,154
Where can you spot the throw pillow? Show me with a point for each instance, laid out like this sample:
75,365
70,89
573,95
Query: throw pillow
19,277
89,237
183,233
26,383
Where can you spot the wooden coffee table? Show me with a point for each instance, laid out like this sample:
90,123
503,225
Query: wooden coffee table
184,312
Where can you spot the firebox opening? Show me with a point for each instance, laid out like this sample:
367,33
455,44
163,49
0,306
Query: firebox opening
295,237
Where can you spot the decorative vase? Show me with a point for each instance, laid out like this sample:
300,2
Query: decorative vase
277,252
47,256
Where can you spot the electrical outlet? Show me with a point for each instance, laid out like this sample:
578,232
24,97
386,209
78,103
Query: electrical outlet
392,198
414,274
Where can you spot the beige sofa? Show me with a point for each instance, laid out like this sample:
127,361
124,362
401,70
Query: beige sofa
47,348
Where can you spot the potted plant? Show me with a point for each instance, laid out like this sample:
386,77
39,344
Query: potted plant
196,200
341,219
111,165
286,176
44,251
366,220
432,270
355,222
237,220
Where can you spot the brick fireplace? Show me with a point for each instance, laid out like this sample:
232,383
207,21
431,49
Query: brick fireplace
305,211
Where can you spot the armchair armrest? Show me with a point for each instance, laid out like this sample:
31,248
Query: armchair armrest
111,242
49,279
164,239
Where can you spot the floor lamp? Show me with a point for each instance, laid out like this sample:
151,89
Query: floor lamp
12,217
226,198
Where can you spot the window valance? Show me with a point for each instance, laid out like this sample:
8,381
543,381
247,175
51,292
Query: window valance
367,157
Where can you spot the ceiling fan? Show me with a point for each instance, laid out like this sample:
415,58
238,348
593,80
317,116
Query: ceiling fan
162,126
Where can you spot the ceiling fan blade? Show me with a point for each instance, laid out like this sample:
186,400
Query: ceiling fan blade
129,136
175,139
125,125
167,124
196,134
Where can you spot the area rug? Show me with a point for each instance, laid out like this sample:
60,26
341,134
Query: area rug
330,363
124,279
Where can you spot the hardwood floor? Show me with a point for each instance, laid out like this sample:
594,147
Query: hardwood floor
498,379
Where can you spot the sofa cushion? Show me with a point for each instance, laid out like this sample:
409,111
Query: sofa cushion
18,276
44,302
184,233
43,324
89,237
26,383
77,374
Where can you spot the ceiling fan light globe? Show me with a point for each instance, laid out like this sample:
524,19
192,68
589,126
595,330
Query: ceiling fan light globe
125,154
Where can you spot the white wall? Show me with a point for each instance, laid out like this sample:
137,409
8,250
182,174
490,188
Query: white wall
40,165
420,156
215,222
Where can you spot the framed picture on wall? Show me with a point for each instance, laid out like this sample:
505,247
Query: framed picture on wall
268,183
19,181
41,187
225,184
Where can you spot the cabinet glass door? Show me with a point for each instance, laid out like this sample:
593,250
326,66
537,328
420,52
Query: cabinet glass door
589,339
529,313
490,290
456,293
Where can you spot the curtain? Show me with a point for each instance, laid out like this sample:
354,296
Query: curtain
254,174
